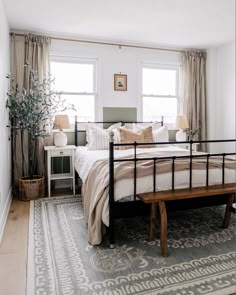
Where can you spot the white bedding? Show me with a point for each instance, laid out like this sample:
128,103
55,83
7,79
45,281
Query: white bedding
84,160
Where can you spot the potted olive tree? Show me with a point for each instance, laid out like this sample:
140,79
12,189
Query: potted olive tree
31,111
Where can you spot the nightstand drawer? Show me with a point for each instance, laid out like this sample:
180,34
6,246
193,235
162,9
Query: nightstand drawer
61,153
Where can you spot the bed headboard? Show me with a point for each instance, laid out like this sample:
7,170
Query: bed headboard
110,116
119,114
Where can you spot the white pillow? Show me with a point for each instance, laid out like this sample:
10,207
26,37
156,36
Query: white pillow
139,126
161,134
129,126
98,139
114,126
93,126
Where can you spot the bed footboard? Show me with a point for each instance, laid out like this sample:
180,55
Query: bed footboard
190,192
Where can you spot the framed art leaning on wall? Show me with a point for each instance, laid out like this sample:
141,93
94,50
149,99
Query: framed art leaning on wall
120,82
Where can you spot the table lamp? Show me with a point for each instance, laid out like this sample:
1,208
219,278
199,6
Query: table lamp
61,122
181,123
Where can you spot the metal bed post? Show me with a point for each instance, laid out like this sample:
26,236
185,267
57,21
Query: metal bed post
162,120
76,131
135,169
76,144
191,163
111,190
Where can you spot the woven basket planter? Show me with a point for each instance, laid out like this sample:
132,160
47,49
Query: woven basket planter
31,189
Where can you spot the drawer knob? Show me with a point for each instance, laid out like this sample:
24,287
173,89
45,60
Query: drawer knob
61,153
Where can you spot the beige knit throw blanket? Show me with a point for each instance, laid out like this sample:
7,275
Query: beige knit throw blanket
96,186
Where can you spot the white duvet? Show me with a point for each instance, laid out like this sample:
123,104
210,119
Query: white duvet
85,159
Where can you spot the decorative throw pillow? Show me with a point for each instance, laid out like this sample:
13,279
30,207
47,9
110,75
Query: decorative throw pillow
161,134
93,125
129,136
98,139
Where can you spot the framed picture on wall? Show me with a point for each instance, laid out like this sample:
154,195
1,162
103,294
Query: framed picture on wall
120,82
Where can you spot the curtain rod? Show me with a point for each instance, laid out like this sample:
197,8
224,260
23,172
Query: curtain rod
107,43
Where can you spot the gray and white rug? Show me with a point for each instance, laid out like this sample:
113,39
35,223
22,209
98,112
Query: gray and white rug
60,261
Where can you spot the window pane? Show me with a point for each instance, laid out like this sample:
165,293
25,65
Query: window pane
84,105
155,107
159,81
73,77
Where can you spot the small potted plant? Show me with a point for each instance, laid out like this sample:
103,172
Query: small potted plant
192,132
31,111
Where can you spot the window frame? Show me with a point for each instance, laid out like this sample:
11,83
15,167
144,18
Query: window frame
80,60
177,69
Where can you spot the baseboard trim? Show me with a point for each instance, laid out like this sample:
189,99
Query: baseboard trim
3,217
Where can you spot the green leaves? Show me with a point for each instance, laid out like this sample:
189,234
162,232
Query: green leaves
191,132
33,109
28,109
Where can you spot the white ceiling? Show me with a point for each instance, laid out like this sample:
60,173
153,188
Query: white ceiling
173,23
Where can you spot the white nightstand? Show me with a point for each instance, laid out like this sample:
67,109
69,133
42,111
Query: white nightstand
65,151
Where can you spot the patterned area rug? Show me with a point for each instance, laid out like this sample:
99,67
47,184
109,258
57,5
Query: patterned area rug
202,256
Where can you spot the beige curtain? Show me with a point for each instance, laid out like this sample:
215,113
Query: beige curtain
28,52
194,92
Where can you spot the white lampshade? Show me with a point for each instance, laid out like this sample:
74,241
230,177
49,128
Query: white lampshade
61,122
181,123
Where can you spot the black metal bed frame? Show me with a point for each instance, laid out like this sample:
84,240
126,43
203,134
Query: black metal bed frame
135,159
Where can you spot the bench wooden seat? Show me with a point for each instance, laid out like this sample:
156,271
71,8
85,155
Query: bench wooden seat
159,198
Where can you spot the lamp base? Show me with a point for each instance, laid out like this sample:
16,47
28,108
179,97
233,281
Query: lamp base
60,139
181,135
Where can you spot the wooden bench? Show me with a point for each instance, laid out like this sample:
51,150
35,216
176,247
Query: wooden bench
159,198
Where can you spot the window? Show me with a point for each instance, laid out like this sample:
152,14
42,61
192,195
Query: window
76,80
160,88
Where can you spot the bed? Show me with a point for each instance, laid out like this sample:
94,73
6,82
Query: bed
112,178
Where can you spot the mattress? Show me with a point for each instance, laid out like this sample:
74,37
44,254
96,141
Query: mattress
85,160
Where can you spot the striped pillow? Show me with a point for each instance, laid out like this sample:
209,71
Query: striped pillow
98,139
93,125
161,134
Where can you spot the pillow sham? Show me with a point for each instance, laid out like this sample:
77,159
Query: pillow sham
161,134
130,136
99,138
93,126
140,126
129,126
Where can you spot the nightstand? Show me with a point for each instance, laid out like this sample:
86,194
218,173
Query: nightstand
65,151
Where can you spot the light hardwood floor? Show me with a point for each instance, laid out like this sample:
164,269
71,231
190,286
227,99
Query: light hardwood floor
14,247
13,250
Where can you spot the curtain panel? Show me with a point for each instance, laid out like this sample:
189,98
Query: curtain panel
27,52
194,91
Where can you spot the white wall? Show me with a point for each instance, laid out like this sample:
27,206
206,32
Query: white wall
112,60
5,163
221,92
220,79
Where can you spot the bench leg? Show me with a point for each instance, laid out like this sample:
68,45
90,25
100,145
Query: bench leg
233,208
163,228
152,222
228,210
